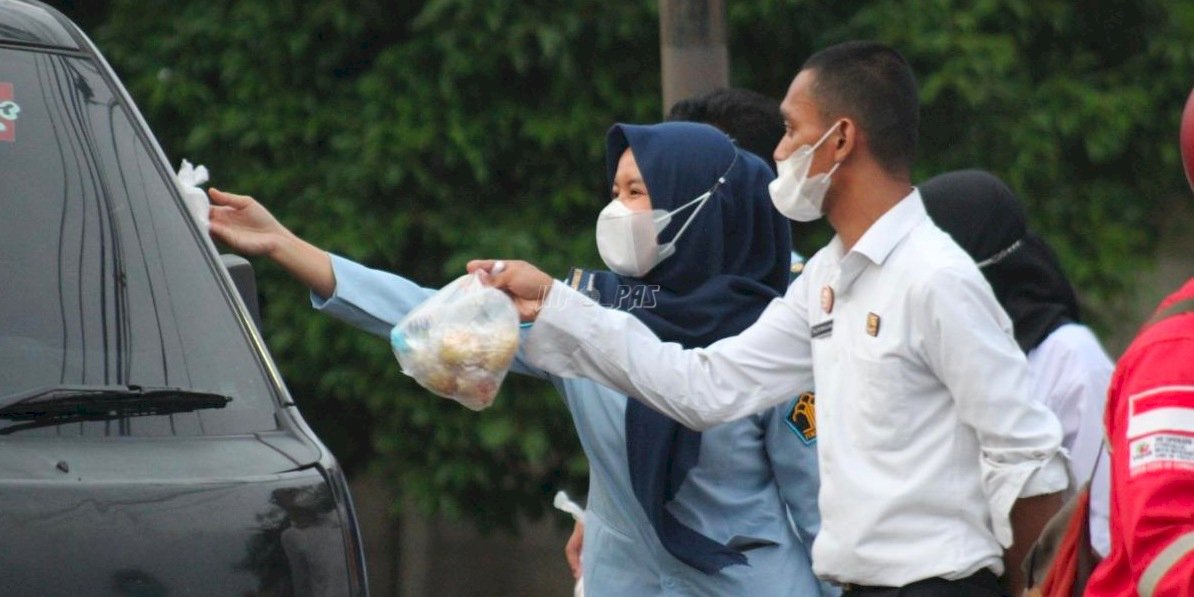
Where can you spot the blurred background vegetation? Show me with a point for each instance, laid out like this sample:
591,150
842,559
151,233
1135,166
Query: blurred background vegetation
415,135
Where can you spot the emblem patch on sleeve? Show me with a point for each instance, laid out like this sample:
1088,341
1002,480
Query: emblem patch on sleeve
802,419
1161,430
1161,452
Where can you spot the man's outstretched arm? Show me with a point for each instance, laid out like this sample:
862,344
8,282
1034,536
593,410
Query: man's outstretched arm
575,337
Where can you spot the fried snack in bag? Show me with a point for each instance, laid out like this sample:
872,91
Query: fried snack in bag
459,343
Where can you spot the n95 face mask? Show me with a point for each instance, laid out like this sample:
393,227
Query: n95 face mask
794,193
626,239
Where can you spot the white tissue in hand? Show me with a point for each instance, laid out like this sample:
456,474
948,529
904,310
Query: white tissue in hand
189,179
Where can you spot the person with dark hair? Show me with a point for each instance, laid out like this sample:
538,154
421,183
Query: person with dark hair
1067,367
750,118
933,456
729,511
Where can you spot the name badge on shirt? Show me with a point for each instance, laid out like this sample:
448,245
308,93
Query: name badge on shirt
823,329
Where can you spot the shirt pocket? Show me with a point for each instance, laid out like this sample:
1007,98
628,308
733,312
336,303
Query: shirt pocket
614,564
883,405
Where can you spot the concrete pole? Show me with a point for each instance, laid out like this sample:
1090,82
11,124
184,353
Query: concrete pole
692,38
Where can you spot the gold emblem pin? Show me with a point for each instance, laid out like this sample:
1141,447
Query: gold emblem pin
872,324
827,299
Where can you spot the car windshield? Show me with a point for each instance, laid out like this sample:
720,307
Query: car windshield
102,279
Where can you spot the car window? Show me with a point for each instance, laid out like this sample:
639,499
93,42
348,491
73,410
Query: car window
102,279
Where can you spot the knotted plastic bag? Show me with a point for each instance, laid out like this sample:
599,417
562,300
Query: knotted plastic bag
189,179
459,343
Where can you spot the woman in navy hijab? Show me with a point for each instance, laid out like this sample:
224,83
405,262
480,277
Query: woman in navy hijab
696,251
723,256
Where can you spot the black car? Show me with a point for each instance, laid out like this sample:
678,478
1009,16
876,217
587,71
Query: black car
148,445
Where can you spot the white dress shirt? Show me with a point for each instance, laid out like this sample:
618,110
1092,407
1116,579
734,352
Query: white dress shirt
1070,372
753,486
926,429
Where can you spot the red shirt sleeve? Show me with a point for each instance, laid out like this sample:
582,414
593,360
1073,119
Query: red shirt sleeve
1150,423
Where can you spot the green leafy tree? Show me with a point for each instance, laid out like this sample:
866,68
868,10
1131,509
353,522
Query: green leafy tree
414,136
410,138
1074,104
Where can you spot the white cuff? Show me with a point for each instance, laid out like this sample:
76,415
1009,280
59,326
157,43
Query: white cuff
563,319
1007,482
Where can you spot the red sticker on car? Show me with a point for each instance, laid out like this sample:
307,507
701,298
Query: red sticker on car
9,111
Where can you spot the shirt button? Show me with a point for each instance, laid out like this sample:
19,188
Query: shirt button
669,582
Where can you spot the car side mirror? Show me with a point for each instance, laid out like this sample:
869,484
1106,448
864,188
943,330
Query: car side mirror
245,280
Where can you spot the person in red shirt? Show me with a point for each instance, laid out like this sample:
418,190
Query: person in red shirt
1150,430
1150,433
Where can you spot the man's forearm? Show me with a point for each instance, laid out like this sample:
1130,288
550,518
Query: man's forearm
1028,517
764,365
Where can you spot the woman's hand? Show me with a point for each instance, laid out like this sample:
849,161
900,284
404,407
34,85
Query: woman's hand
245,225
249,228
525,283
573,548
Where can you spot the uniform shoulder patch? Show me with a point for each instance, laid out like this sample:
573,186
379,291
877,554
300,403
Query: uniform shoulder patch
802,419
1160,430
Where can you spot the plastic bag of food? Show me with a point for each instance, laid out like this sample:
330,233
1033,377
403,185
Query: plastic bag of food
459,343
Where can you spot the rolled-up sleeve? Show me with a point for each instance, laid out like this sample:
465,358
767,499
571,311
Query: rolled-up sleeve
968,344
767,363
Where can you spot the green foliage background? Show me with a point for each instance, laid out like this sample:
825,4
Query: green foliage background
413,136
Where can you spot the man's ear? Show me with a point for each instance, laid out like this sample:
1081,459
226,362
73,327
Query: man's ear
844,140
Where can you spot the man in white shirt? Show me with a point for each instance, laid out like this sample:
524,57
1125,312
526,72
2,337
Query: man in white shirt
933,456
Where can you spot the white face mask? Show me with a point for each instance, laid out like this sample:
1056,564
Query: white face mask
628,240
794,193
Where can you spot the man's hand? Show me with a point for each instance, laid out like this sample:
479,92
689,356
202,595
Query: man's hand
573,548
244,224
525,283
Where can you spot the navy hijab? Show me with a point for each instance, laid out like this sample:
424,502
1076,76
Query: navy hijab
984,217
729,264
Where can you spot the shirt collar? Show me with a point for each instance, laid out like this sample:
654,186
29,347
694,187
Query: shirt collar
882,237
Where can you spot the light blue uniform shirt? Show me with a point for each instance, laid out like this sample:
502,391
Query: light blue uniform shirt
752,475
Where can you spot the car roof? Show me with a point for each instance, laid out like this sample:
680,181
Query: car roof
33,23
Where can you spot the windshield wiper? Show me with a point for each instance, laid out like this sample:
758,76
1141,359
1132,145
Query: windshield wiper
99,403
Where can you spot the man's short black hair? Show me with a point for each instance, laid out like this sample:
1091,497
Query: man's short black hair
871,83
752,119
